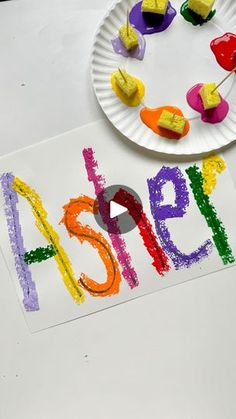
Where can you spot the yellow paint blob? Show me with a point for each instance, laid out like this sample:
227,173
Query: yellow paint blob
134,100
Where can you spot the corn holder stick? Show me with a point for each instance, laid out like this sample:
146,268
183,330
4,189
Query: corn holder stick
127,22
121,73
218,85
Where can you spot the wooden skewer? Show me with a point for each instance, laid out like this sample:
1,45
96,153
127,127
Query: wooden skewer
218,85
127,22
121,73
173,117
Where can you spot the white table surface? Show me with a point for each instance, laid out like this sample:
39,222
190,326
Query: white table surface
170,355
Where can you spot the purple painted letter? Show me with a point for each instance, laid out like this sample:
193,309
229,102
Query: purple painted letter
161,213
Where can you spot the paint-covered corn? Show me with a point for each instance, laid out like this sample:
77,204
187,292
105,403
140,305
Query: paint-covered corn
210,100
126,82
128,36
172,122
201,7
155,6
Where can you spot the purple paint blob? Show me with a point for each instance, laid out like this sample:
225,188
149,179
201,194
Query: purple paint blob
161,213
118,243
212,116
148,23
137,52
30,300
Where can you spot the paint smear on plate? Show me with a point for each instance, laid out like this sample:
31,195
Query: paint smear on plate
212,116
134,100
192,17
148,23
224,49
137,52
151,116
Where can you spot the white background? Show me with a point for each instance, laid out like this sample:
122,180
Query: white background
170,355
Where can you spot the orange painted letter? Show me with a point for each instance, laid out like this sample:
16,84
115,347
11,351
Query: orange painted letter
98,241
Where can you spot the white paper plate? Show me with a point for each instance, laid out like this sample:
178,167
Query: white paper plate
175,60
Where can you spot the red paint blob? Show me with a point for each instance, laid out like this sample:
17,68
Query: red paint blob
224,49
212,116
150,118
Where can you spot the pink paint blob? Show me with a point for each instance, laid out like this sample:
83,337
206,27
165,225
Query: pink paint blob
212,116
137,52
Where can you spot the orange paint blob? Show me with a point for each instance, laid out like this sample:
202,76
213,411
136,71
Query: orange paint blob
98,242
150,117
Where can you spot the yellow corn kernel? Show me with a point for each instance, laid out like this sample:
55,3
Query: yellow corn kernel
126,82
172,122
128,36
210,100
155,6
201,7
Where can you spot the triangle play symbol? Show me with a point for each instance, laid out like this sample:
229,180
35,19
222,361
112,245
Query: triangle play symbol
116,209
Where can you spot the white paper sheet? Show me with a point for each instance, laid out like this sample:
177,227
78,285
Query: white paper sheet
55,169
45,80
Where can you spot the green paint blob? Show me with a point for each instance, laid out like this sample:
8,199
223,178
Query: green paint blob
193,17
39,254
207,209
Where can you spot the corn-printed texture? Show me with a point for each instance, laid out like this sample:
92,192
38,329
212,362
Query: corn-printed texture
211,166
40,214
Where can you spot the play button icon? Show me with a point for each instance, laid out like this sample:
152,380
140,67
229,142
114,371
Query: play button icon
118,209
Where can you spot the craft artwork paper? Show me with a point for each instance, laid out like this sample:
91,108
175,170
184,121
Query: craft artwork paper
65,266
